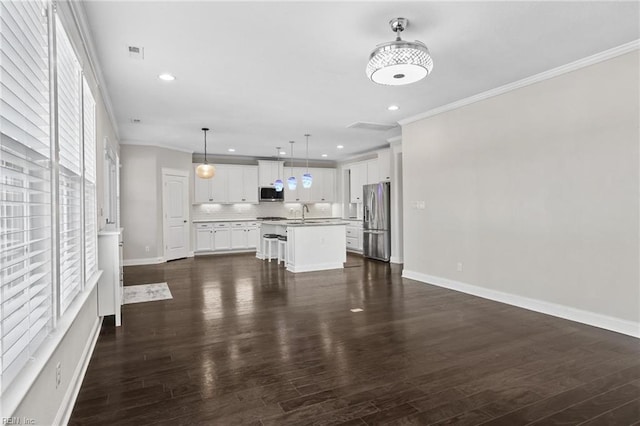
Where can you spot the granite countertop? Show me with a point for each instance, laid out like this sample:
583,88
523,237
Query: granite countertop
266,221
308,222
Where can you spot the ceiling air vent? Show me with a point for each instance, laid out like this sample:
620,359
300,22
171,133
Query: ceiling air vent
136,52
379,127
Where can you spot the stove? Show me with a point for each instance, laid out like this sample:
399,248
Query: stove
271,218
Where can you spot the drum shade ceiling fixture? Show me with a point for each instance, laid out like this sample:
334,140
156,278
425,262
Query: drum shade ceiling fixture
205,170
399,62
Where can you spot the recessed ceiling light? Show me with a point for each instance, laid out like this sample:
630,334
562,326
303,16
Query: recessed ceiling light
393,107
283,153
166,77
324,155
340,147
231,150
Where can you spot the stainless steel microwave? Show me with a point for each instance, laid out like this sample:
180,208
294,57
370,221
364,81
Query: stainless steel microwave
268,193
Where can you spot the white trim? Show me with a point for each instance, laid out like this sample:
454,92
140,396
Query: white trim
80,17
554,72
145,261
175,172
395,140
396,259
69,400
229,251
155,145
9,401
618,325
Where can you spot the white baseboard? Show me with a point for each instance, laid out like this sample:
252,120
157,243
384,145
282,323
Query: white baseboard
145,261
396,259
69,400
618,325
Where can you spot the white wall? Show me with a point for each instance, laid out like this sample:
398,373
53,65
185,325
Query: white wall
141,197
535,191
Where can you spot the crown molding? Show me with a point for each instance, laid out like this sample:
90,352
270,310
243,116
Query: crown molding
154,145
80,17
554,72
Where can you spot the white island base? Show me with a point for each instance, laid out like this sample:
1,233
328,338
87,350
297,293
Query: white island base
312,246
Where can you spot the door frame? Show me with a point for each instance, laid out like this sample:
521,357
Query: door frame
183,173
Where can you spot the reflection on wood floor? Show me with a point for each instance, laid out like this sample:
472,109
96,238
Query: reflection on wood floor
245,342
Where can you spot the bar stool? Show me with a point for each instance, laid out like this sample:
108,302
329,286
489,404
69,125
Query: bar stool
267,242
282,249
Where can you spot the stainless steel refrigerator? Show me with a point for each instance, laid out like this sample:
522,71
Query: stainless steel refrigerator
376,221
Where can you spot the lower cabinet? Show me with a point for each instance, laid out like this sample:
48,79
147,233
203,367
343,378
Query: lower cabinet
110,285
226,236
354,236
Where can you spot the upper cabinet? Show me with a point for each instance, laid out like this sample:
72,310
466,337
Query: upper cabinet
231,184
357,178
384,165
323,186
269,172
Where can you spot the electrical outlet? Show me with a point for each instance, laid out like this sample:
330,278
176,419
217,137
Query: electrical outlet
146,248
460,266
58,375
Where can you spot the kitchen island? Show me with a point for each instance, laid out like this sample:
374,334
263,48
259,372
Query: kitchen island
312,245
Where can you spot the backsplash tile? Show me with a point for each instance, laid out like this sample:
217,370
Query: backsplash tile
248,211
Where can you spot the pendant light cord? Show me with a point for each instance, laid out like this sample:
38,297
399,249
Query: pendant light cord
291,166
307,135
205,130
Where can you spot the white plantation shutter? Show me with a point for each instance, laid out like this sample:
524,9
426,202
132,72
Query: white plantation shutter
70,170
90,198
25,186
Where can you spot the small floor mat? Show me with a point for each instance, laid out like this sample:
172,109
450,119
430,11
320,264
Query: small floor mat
146,293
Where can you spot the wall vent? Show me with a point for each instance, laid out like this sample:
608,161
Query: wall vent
136,52
379,127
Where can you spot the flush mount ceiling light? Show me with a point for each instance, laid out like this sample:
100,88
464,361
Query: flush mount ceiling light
205,170
399,62
166,77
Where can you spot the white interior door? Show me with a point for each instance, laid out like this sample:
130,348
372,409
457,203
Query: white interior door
175,195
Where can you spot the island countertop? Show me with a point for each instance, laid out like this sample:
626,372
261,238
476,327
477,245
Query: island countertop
310,222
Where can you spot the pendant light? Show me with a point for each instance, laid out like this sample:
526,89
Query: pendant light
278,184
399,62
291,181
205,170
307,179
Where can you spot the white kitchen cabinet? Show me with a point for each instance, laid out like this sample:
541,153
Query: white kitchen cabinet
252,236
357,178
384,165
269,172
324,184
225,236
243,184
231,184
221,236
354,236
372,171
214,190
110,285
300,194
204,237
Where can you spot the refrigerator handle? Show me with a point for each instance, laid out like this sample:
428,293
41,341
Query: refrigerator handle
364,213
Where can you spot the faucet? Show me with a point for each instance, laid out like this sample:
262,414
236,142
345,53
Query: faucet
304,206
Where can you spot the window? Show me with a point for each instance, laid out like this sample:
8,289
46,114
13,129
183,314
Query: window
46,200
70,169
25,186
90,197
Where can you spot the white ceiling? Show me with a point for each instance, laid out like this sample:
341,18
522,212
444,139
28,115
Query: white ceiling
260,74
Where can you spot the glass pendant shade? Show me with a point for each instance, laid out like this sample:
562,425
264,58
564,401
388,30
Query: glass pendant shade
292,183
279,185
205,171
307,180
399,62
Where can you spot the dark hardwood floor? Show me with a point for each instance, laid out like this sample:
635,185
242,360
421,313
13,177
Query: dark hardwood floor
245,342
